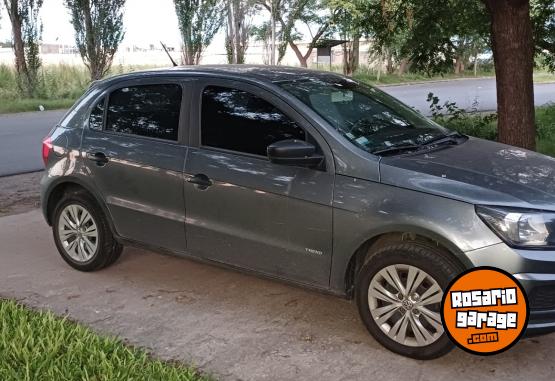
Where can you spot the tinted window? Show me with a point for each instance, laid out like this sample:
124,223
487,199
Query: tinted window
96,119
148,110
239,121
76,117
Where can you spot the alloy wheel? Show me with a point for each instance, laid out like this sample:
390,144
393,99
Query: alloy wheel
78,233
404,302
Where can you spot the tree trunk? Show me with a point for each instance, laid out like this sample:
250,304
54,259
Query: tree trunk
458,65
403,66
19,47
513,53
303,59
273,38
476,63
356,53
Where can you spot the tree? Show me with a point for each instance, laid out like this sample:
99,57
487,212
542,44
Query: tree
238,30
543,18
314,15
199,21
263,33
513,53
273,7
439,28
347,18
287,13
98,26
26,31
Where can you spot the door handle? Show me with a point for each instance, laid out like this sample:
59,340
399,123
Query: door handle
100,158
201,181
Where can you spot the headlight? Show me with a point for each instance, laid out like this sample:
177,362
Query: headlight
521,227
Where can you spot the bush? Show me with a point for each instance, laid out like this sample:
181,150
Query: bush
484,125
473,123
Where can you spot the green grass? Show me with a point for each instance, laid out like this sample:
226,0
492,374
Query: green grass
59,87
29,104
371,77
38,346
545,122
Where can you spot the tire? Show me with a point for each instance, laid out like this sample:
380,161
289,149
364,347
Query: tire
387,318
76,242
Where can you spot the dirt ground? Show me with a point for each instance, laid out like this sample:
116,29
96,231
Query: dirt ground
230,325
19,193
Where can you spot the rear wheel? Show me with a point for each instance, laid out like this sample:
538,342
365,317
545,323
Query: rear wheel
399,291
82,233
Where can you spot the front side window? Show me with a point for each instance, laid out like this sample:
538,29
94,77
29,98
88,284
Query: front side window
96,119
367,117
145,110
239,121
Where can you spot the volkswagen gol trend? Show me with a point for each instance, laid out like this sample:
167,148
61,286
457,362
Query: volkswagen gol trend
305,176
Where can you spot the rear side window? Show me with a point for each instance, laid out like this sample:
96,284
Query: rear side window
146,110
240,121
96,120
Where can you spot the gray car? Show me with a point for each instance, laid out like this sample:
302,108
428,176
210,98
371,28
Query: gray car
303,176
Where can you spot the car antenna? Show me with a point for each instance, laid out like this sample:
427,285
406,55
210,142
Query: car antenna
168,53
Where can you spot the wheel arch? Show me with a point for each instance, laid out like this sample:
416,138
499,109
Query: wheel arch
400,234
57,190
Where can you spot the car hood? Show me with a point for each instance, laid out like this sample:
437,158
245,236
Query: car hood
477,171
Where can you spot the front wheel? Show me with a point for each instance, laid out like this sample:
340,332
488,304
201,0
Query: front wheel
399,291
82,233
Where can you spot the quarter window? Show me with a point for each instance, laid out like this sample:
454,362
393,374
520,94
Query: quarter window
240,121
146,110
96,120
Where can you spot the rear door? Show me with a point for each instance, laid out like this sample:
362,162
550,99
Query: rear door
134,152
242,209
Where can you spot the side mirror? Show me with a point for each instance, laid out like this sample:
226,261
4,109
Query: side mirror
294,152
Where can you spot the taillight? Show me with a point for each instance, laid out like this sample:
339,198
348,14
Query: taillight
46,148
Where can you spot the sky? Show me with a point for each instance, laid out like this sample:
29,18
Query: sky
146,22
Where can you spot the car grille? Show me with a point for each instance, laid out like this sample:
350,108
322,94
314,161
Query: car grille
542,298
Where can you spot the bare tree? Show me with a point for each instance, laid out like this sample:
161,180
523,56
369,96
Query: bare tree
199,21
99,30
238,30
26,31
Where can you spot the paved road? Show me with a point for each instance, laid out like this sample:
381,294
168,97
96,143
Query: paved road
235,326
465,93
20,140
21,134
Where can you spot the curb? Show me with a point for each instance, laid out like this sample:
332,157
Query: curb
431,81
26,172
448,80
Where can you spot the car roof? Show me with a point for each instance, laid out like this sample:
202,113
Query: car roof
257,73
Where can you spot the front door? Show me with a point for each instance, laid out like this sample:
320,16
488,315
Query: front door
133,153
240,208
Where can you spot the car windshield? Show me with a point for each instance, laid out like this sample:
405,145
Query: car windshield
366,116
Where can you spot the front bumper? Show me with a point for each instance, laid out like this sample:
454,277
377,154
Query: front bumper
535,270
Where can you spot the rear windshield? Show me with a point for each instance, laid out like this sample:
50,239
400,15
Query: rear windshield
364,115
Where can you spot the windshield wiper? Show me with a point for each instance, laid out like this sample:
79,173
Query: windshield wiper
397,148
453,138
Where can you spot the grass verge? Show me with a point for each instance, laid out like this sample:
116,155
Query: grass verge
480,126
40,347
28,104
